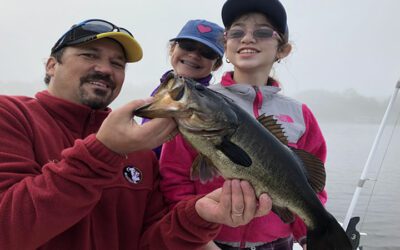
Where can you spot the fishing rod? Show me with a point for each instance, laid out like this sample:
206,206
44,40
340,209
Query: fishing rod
349,222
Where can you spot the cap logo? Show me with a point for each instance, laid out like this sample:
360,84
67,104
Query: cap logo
203,29
132,174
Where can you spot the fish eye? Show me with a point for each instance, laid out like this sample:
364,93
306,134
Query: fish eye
177,93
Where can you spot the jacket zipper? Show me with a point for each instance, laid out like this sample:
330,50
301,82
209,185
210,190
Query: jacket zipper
88,129
244,236
257,102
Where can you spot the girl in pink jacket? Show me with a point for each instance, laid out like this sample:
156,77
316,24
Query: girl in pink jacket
256,37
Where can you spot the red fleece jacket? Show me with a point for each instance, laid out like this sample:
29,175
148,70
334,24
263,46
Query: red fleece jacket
60,188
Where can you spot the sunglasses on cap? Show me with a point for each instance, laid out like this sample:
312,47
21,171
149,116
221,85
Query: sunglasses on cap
86,31
263,33
204,51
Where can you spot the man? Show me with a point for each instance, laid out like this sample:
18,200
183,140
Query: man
74,175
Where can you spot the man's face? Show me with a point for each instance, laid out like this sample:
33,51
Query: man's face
91,74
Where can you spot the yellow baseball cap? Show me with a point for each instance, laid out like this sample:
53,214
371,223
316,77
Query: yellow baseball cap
94,29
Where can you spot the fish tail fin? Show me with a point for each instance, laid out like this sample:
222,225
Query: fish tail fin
330,236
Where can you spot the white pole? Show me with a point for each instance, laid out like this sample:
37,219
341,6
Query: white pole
368,162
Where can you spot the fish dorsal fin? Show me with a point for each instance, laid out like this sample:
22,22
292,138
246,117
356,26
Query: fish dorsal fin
235,153
285,214
270,123
315,169
203,169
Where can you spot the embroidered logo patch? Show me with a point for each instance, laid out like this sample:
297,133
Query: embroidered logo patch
132,174
284,118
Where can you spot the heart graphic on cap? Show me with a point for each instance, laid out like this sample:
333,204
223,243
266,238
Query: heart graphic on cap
203,28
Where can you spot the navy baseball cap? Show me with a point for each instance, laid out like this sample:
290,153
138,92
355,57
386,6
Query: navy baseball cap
205,32
272,9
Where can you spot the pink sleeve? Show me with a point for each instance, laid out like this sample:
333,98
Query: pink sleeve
313,142
176,160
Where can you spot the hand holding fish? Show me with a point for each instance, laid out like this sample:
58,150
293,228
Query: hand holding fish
121,134
233,205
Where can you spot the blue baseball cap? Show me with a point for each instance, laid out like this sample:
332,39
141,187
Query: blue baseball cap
205,32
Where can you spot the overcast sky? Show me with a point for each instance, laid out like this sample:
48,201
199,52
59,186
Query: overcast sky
338,44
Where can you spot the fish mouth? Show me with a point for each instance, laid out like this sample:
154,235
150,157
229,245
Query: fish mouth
158,109
169,101
145,112
186,102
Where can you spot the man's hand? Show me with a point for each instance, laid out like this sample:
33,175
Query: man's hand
234,204
120,133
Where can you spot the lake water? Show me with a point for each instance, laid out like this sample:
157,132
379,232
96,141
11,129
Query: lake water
379,203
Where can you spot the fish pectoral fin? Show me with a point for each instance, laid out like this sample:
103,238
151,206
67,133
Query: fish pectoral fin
315,169
235,153
284,214
203,169
272,125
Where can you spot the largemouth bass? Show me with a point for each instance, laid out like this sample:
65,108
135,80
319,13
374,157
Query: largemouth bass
234,144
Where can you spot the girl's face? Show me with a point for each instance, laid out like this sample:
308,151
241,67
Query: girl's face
252,44
187,59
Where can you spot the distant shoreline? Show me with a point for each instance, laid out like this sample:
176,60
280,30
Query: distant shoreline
348,106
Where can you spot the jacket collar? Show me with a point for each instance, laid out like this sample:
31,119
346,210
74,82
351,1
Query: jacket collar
227,80
78,118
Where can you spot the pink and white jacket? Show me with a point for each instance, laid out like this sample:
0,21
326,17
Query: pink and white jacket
302,131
